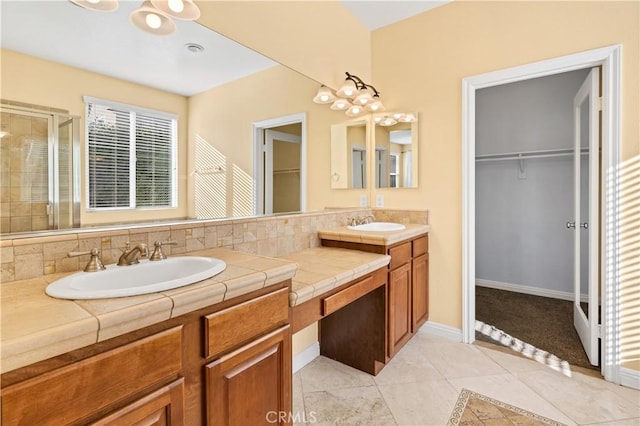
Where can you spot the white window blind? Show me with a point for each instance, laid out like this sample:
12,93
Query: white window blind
131,157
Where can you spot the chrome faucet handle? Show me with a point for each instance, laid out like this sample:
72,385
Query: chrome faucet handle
158,254
351,221
94,264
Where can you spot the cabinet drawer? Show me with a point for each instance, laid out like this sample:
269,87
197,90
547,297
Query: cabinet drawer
420,246
162,407
400,255
71,393
230,327
348,295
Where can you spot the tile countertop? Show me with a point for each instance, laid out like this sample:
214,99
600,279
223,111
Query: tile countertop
36,326
322,269
378,238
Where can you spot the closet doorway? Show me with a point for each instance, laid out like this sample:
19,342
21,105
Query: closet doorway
519,228
280,164
529,233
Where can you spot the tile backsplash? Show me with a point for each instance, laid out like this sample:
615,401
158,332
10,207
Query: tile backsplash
272,236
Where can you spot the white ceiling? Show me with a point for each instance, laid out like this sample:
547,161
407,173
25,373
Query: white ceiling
107,43
378,13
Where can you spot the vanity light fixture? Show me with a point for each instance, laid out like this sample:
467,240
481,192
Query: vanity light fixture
354,96
97,5
152,20
324,95
355,110
340,104
180,9
154,16
390,119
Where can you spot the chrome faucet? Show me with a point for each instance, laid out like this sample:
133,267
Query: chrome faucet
130,256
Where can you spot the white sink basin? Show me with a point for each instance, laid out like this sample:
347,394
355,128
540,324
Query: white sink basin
378,226
142,278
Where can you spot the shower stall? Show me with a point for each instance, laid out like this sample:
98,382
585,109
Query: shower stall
39,169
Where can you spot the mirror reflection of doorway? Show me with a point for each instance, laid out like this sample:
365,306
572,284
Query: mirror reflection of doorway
280,164
358,167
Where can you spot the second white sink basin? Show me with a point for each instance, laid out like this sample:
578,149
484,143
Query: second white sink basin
142,278
378,226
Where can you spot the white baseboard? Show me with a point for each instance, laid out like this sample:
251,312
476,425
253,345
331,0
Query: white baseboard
441,330
534,291
630,378
306,356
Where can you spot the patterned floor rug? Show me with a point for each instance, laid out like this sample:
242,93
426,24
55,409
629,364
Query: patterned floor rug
473,409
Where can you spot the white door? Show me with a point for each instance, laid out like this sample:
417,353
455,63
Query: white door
586,218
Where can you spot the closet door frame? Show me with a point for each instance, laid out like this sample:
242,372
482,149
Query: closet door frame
609,58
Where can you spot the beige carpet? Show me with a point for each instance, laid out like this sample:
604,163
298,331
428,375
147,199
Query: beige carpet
479,410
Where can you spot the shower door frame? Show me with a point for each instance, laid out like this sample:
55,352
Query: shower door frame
53,122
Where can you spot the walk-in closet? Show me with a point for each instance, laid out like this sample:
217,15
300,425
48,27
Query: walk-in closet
525,211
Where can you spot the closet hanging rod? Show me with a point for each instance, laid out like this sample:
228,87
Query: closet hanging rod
529,154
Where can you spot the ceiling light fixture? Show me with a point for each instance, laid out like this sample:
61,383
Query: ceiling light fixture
97,5
364,97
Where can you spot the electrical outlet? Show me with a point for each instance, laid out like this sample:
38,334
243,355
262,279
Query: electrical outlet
363,201
379,200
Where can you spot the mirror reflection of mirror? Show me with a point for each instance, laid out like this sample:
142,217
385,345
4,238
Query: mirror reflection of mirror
349,155
396,156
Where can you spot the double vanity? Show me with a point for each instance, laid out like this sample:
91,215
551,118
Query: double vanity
218,351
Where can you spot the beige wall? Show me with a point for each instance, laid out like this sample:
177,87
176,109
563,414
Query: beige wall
320,39
36,81
419,64
220,133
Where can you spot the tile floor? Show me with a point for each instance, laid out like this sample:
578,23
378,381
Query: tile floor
421,385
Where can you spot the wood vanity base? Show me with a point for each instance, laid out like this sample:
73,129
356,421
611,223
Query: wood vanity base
352,322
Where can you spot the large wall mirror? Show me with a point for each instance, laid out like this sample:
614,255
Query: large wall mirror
396,155
349,143
217,143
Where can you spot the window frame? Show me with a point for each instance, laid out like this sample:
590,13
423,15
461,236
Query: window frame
133,110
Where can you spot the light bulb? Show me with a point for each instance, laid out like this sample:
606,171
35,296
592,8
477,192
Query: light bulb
374,107
356,109
324,98
176,5
153,20
94,1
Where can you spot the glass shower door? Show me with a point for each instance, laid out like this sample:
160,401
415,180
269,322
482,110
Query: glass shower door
65,194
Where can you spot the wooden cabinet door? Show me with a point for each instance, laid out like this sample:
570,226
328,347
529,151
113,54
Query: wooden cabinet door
251,385
399,307
420,290
164,407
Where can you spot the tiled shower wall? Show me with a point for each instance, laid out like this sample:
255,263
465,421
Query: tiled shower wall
266,236
23,173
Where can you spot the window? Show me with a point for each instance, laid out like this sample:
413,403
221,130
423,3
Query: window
131,157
